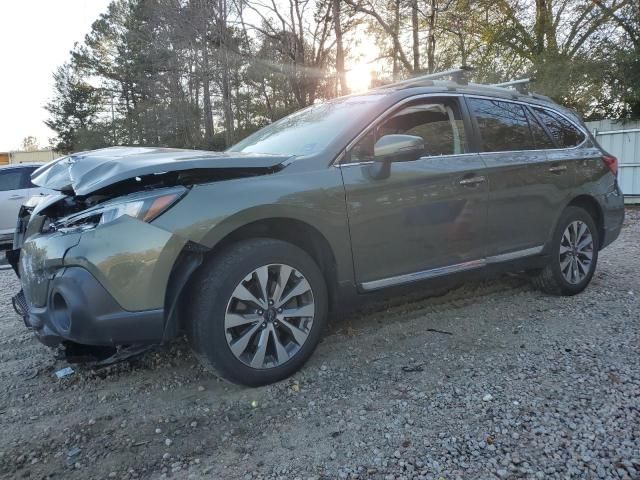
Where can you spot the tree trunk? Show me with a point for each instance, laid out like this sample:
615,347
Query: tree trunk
415,27
342,78
431,40
226,80
396,34
206,88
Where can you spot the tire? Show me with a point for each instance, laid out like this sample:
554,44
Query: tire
269,342
553,277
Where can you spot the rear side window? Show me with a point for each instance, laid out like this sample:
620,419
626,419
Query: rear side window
11,180
540,137
562,130
503,125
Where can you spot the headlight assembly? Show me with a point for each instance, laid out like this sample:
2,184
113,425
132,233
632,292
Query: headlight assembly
144,206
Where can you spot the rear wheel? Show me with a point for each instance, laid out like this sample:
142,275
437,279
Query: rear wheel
259,311
573,256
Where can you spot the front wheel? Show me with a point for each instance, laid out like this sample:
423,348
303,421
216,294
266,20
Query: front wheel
573,254
259,311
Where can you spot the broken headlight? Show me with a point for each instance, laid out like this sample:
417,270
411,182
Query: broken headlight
144,206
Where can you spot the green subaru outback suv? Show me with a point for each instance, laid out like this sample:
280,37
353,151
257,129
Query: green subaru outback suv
250,250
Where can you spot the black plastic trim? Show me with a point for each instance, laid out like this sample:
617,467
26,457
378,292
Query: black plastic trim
91,315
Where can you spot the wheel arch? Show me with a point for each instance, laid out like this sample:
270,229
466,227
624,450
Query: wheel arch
294,231
291,230
593,208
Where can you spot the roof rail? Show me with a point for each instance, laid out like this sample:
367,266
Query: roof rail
522,85
458,75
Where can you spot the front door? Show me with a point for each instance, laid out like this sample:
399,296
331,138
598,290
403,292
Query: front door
426,217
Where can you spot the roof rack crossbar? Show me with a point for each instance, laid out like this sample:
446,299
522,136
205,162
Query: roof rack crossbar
521,85
458,75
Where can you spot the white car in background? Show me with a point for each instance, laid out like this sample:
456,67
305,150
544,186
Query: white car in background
15,189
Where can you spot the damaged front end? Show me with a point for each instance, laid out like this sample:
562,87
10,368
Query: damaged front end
94,267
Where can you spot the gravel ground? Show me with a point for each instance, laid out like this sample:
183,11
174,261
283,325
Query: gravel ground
492,380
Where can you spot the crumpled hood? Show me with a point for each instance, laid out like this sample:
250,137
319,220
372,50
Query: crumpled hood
87,172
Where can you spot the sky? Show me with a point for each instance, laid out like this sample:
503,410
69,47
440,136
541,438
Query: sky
35,38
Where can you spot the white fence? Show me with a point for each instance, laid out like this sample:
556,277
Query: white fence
622,139
41,156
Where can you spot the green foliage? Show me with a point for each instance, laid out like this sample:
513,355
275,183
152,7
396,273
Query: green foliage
205,73
73,112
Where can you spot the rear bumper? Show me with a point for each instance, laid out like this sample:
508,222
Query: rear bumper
79,309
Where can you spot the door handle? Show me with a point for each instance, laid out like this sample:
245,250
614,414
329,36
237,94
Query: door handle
472,181
16,197
558,169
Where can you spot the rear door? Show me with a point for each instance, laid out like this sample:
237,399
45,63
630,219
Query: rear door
525,190
573,146
428,216
14,191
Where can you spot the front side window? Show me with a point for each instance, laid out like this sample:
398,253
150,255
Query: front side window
11,180
438,122
503,125
562,130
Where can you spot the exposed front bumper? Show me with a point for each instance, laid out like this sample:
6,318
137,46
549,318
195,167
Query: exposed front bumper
104,287
79,309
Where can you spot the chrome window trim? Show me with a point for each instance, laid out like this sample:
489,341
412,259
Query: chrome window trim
449,269
532,105
428,157
341,155
368,162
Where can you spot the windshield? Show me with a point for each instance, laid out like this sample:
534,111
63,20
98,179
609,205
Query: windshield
310,130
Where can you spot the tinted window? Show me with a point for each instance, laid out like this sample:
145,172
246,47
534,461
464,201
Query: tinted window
11,180
503,125
27,178
561,129
439,123
540,137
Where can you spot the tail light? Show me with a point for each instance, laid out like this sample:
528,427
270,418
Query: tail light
611,162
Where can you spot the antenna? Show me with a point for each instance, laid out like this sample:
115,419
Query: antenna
522,85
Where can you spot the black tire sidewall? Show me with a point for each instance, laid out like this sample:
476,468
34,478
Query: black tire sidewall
572,214
219,278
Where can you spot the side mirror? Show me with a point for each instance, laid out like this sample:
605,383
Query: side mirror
398,148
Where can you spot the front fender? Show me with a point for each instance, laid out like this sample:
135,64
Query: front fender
212,211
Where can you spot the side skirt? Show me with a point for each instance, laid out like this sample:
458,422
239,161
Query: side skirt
449,269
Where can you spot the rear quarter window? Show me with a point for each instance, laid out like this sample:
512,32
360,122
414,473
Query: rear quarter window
565,133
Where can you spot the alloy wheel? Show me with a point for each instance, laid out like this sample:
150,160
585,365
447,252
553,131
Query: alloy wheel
269,316
576,252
